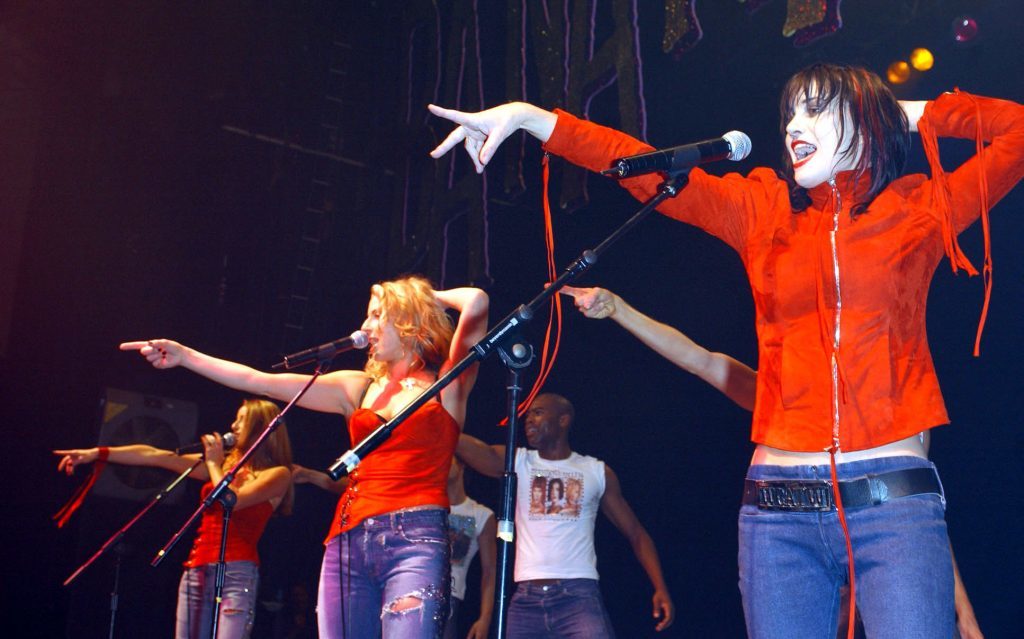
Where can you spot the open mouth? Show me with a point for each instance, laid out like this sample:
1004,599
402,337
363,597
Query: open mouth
802,151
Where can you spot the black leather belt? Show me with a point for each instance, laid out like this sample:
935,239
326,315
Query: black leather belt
816,495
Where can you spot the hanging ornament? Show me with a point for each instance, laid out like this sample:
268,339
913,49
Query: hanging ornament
965,29
754,5
801,14
682,29
828,20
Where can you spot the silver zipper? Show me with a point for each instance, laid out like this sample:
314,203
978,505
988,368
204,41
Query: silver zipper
837,198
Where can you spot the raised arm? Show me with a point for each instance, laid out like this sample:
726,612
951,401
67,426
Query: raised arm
484,459
733,378
488,555
472,305
615,507
483,132
335,392
133,455
999,167
913,109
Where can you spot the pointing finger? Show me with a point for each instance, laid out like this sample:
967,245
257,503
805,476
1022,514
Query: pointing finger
454,138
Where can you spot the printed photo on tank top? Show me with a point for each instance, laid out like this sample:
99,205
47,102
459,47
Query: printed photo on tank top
556,495
461,533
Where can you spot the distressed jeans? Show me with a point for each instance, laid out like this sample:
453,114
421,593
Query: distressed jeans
390,574
237,608
792,564
569,609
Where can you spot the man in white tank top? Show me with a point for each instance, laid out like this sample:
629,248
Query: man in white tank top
559,494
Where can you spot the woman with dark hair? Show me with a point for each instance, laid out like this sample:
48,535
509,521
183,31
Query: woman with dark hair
263,487
840,251
386,564
556,496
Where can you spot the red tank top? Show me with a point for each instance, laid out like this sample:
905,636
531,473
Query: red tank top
244,533
409,469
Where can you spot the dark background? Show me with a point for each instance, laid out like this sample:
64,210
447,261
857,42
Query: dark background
137,203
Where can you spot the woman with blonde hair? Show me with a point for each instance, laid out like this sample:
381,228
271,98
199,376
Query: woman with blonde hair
385,568
263,486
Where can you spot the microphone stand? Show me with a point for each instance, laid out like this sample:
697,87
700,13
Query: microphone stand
113,542
501,333
227,497
515,355
116,537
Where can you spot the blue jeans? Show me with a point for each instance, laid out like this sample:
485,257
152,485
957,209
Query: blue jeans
793,563
572,608
389,574
237,608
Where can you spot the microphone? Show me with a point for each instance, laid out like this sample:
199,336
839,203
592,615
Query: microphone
734,145
357,339
229,440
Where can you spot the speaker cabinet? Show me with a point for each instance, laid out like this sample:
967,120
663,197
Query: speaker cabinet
134,418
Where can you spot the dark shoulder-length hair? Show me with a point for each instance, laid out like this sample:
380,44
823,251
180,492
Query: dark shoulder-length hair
880,126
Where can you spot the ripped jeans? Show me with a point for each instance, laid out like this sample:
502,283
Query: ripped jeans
237,609
389,574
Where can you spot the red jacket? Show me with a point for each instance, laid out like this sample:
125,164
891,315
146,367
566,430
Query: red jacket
878,385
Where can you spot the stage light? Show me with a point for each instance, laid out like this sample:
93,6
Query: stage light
965,29
922,59
898,72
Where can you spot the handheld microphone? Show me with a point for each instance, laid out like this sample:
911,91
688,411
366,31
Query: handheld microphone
734,145
357,339
229,440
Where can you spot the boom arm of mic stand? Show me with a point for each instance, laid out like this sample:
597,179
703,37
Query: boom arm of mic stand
486,346
109,543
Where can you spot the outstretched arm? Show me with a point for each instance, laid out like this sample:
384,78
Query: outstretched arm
483,132
484,459
615,507
134,455
320,479
333,393
733,378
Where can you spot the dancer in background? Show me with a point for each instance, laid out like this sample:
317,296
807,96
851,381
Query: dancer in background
840,251
263,487
473,528
385,568
557,592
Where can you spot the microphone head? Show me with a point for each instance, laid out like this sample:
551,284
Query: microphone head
739,143
229,440
359,339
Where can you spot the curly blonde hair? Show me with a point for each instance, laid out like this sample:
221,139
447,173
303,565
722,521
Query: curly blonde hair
409,304
276,451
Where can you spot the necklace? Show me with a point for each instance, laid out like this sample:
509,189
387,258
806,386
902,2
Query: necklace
410,383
